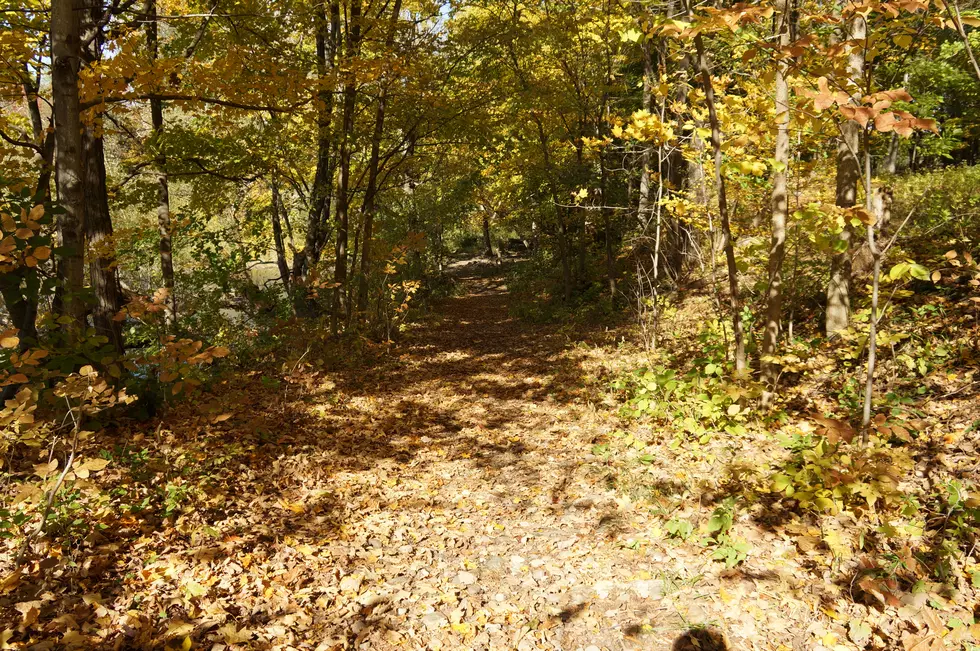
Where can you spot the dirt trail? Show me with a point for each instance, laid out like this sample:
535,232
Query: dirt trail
477,521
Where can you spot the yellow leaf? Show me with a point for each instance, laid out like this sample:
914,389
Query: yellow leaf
295,507
94,465
9,342
179,628
903,40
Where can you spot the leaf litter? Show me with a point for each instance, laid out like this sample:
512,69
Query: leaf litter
449,498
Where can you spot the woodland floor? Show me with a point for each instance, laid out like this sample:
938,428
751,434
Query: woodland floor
446,499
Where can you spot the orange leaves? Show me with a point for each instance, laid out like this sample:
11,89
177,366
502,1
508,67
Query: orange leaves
825,97
903,123
717,20
888,429
871,109
15,249
857,214
860,114
9,338
742,13
180,360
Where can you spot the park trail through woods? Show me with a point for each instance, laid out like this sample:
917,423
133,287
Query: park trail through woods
447,498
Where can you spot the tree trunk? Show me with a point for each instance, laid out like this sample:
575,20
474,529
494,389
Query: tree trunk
643,204
368,207
98,232
98,221
343,194
20,288
564,254
848,177
726,230
607,229
321,196
165,246
890,165
66,60
42,139
780,212
487,242
280,243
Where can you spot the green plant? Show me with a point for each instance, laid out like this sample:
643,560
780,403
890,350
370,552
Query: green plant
729,550
677,528
826,474
724,546
12,522
175,497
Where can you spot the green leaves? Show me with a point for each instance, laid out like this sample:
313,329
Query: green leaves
782,483
908,269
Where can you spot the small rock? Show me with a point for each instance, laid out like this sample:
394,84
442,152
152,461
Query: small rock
465,578
369,599
603,588
648,588
434,620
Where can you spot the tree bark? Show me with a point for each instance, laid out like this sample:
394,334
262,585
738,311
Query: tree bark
277,237
98,231
370,194
780,211
327,44
726,230
66,60
643,204
164,230
607,227
103,273
487,242
848,177
346,145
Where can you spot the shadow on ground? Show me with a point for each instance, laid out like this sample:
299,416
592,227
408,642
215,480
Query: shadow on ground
701,639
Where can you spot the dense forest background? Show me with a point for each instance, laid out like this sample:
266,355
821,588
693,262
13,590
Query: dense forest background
735,236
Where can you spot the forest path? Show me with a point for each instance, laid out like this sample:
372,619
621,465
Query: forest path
445,498
472,517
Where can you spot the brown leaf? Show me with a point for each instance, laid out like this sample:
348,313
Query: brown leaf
885,122
834,430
